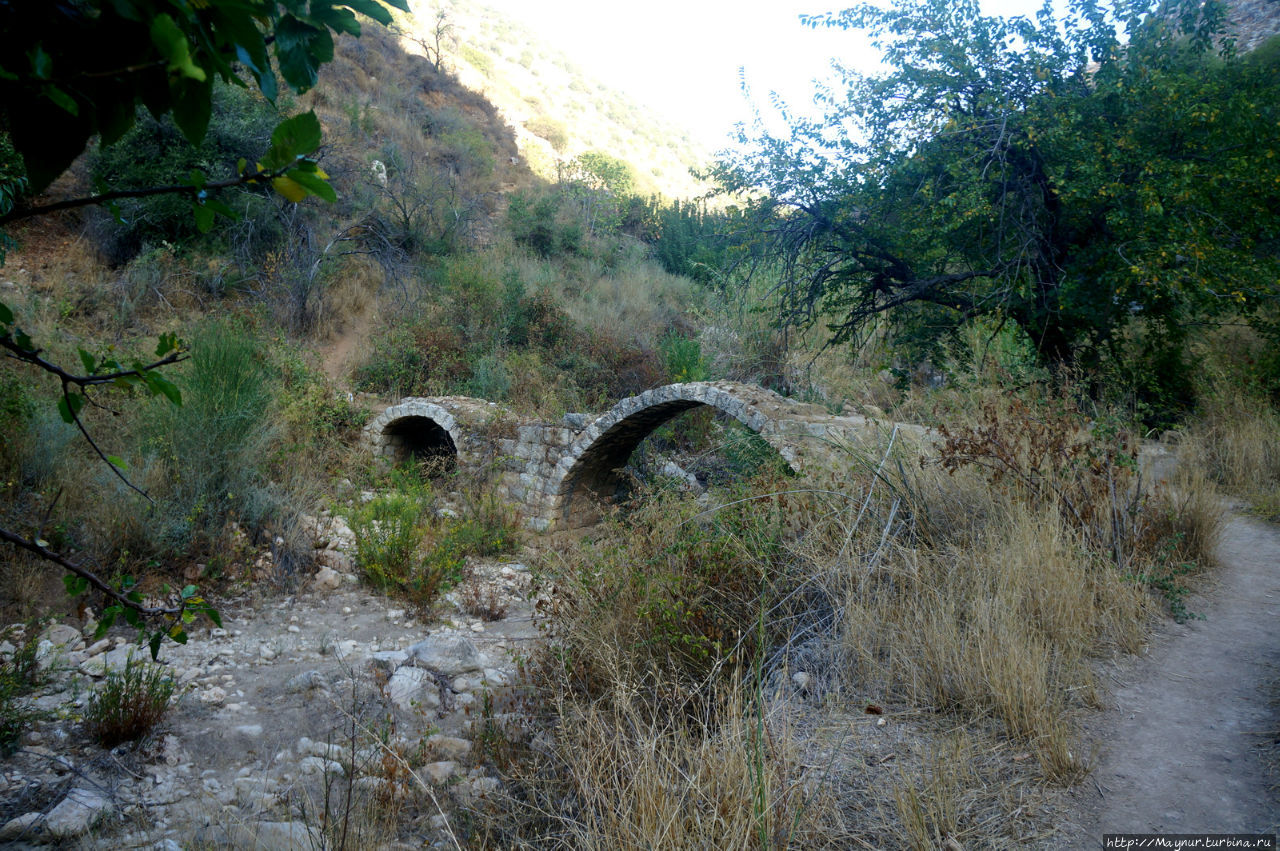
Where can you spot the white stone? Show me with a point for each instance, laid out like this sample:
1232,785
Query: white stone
326,579
448,747
388,660
28,826
407,688
76,813
448,654
319,765
213,695
438,773
306,681
802,680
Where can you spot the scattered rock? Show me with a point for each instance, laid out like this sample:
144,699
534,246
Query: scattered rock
326,579
319,765
76,813
437,773
388,660
802,680
307,681
448,747
28,826
412,687
448,654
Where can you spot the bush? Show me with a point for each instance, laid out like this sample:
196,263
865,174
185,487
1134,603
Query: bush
387,532
153,151
129,703
207,459
19,675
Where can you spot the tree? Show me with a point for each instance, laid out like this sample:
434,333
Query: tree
1073,177
598,184
73,70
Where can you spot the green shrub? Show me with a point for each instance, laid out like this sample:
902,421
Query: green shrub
209,457
388,531
129,703
682,358
153,151
19,675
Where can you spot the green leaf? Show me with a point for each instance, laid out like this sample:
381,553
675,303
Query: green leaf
157,383
314,184
222,210
214,616
192,106
173,46
62,99
69,406
131,616
156,638
75,585
301,49
178,634
197,178
6,315
87,360
117,461
167,343
336,19
41,63
187,591
371,9
295,137
203,216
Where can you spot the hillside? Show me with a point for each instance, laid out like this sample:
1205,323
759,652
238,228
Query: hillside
557,111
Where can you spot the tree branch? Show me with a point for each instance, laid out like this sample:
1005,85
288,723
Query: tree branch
20,213
38,548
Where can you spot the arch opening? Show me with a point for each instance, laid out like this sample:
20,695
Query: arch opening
420,439
602,475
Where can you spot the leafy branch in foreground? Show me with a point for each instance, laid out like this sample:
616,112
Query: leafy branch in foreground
125,600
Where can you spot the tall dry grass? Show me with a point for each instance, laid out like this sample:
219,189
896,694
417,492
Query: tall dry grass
1236,442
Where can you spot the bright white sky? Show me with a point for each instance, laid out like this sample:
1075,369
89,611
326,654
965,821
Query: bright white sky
682,57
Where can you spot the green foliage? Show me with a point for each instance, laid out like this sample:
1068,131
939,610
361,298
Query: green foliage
536,223
691,240
682,599
550,129
154,151
388,531
682,358
19,675
129,703
1167,575
208,459
597,185
1076,178
72,71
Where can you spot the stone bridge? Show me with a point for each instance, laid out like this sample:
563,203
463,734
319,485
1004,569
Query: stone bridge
561,475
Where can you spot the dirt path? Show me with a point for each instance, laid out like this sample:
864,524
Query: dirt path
1193,726
340,352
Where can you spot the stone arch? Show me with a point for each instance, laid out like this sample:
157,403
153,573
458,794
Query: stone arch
415,428
587,474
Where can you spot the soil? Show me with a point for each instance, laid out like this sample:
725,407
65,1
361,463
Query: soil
1192,741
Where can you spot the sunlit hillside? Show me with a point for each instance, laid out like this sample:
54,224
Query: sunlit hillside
556,109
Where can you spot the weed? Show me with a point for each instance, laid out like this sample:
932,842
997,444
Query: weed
387,535
129,703
484,600
19,675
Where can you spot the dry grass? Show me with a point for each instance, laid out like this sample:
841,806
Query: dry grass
1236,442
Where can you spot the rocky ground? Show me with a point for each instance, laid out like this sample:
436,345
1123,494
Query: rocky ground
298,705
